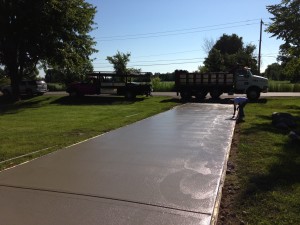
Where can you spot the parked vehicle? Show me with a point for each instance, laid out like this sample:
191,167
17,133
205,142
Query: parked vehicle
27,87
129,85
238,81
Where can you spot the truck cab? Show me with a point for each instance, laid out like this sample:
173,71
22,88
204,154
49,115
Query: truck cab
252,85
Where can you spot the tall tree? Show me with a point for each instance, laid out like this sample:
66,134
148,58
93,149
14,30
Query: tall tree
229,44
229,51
119,62
51,32
286,26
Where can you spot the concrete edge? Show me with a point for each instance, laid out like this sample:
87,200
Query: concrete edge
215,213
69,146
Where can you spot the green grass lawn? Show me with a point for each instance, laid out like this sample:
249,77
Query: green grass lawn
54,122
268,166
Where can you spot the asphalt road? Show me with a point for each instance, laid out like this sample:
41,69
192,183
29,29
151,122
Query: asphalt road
173,94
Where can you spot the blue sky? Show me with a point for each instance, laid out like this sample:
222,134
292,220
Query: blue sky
164,35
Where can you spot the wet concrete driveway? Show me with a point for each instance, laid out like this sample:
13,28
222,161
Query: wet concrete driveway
163,170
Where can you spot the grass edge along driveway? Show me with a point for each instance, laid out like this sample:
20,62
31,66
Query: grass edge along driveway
43,124
262,184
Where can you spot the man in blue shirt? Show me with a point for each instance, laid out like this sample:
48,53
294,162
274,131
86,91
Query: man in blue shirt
238,104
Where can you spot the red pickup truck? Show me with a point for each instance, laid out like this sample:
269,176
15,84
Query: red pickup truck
128,85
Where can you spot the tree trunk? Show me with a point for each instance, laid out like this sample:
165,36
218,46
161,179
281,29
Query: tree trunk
13,71
15,81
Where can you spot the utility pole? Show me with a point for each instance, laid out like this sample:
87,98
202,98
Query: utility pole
259,51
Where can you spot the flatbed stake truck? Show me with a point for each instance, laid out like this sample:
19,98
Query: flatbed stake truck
240,81
128,85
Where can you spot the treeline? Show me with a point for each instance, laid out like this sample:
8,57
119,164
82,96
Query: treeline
282,72
165,76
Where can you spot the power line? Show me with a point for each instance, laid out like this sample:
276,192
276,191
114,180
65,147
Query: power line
162,54
170,53
175,31
174,34
158,64
159,60
167,64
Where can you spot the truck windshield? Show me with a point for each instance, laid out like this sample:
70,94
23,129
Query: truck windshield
244,72
249,73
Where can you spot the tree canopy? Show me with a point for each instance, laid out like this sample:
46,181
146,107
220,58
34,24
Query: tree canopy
120,61
286,26
274,72
229,51
53,33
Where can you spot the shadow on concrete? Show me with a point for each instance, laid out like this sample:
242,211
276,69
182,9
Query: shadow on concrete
220,101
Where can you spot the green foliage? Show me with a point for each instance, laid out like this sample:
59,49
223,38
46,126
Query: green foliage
59,75
159,85
292,70
214,61
286,26
54,75
228,52
56,87
165,76
203,69
229,44
155,81
119,62
275,72
53,33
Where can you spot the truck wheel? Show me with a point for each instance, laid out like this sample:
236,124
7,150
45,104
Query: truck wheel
253,93
185,95
215,93
201,95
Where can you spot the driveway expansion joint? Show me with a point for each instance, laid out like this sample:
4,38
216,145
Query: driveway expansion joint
103,197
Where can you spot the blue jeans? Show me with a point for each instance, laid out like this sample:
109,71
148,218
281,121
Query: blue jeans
241,114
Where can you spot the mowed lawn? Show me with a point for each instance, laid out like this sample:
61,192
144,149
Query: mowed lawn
267,169
49,123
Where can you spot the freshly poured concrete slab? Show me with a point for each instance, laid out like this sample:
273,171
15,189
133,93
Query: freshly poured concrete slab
167,166
48,208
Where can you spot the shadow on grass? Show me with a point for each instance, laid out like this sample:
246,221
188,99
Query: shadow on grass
8,106
174,100
95,100
282,174
11,107
284,171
